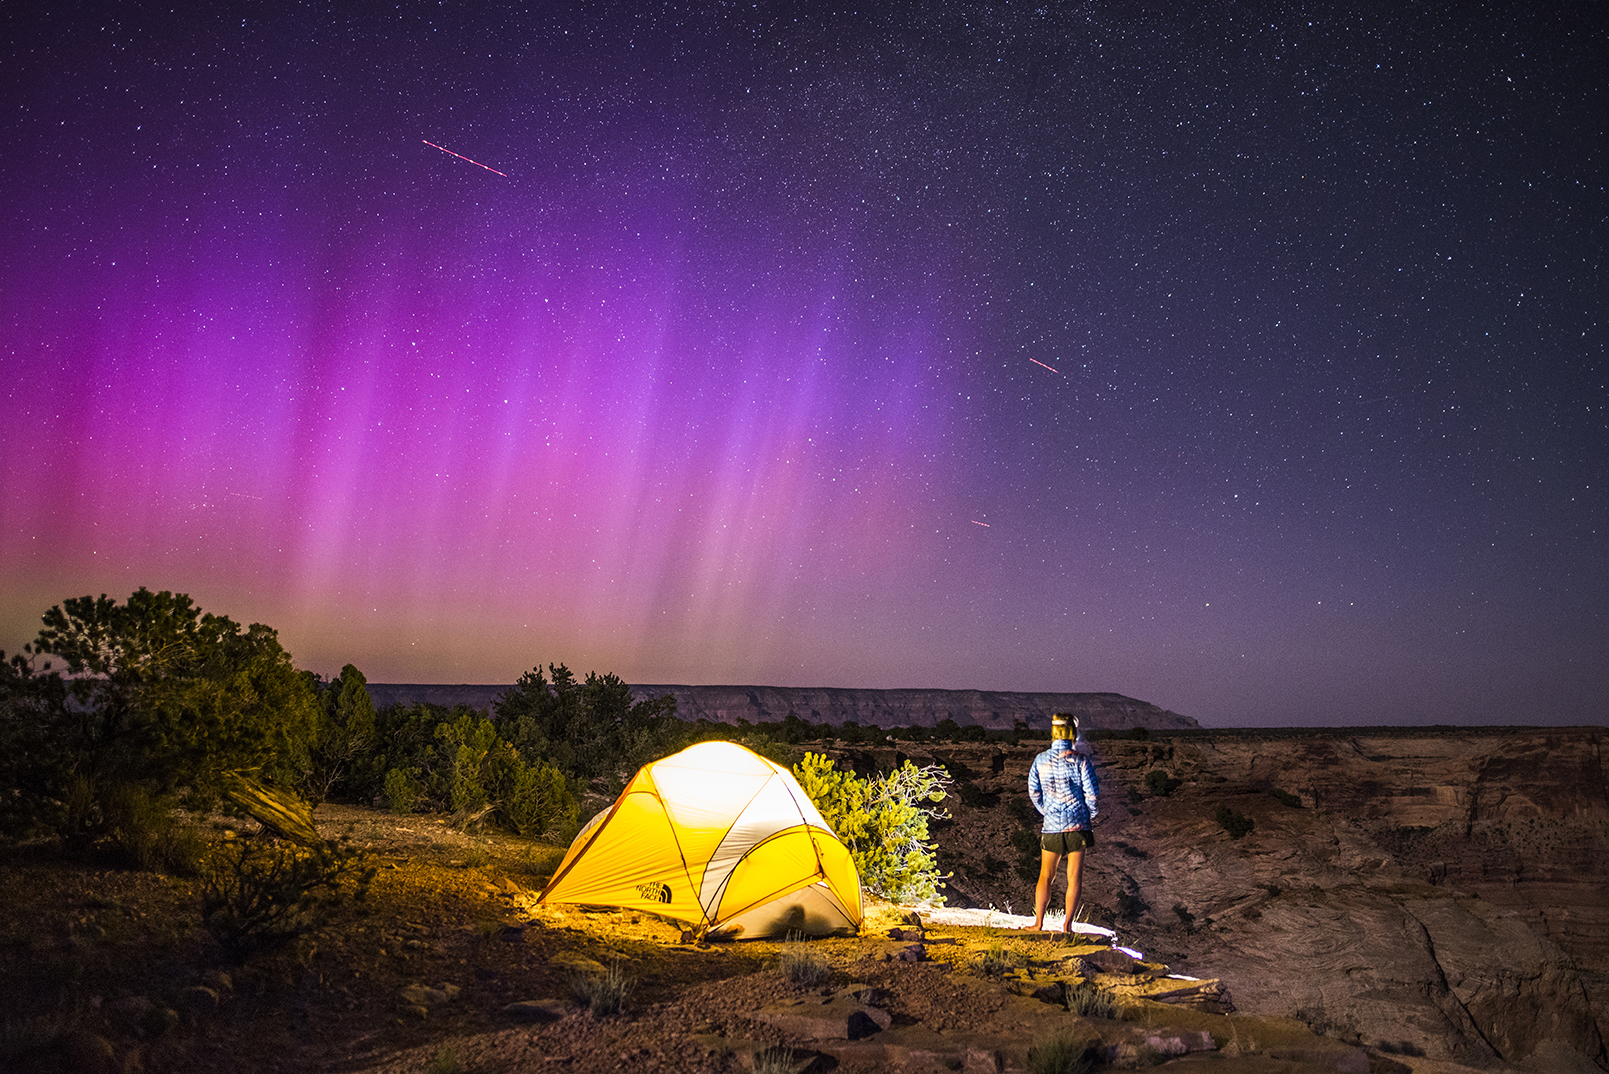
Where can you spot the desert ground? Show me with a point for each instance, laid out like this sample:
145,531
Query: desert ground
451,966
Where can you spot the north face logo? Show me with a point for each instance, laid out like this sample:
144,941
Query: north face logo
655,892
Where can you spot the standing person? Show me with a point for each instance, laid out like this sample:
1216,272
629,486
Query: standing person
1063,787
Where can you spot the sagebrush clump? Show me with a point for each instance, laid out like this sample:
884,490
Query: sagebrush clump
261,893
883,821
604,992
801,966
1062,1055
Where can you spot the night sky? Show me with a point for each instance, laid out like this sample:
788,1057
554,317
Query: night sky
1245,359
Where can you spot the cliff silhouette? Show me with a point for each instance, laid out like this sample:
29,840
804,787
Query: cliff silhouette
993,709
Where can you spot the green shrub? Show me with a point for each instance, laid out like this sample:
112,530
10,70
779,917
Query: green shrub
883,821
587,729
1287,798
604,992
540,861
996,960
1087,1001
1159,784
257,894
486,776
801,966
402,790
161,705
777,1059
345,735
123,822
1062,1055
148,836
1186,918
174,699
1235,823
532,798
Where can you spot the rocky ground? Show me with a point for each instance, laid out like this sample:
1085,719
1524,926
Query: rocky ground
451,967
1341,950
1435,894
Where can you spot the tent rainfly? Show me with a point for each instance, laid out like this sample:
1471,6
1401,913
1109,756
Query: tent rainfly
721,839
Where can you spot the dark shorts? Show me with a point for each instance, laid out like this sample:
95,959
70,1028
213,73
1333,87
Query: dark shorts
1067,842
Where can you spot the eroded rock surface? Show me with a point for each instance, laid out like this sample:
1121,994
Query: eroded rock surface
1441,893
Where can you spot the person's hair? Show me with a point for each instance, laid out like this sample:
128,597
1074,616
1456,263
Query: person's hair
1063,725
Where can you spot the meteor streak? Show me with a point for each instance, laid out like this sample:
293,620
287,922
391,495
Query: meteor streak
1035,361
476,163
985,525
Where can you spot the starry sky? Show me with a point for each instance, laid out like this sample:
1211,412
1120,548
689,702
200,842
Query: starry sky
1246,359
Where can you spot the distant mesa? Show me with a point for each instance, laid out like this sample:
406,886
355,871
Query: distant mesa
994,709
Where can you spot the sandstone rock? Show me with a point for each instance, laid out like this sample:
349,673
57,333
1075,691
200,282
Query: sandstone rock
1327,911
1209,996
841,1018
418,995
1170,1044
863,994
1557,1057
1110,961
920,1047
1054,993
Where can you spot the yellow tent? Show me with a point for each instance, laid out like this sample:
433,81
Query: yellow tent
719,838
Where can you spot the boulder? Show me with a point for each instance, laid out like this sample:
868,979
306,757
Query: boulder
842,1017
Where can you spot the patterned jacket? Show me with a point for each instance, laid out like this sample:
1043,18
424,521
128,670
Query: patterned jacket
1063,787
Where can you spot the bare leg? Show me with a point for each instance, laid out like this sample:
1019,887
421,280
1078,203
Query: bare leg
1075,882
1048,860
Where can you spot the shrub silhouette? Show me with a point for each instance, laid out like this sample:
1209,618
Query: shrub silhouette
1159,784
1235,823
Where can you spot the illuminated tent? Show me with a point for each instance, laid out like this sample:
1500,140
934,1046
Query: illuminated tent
721,839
